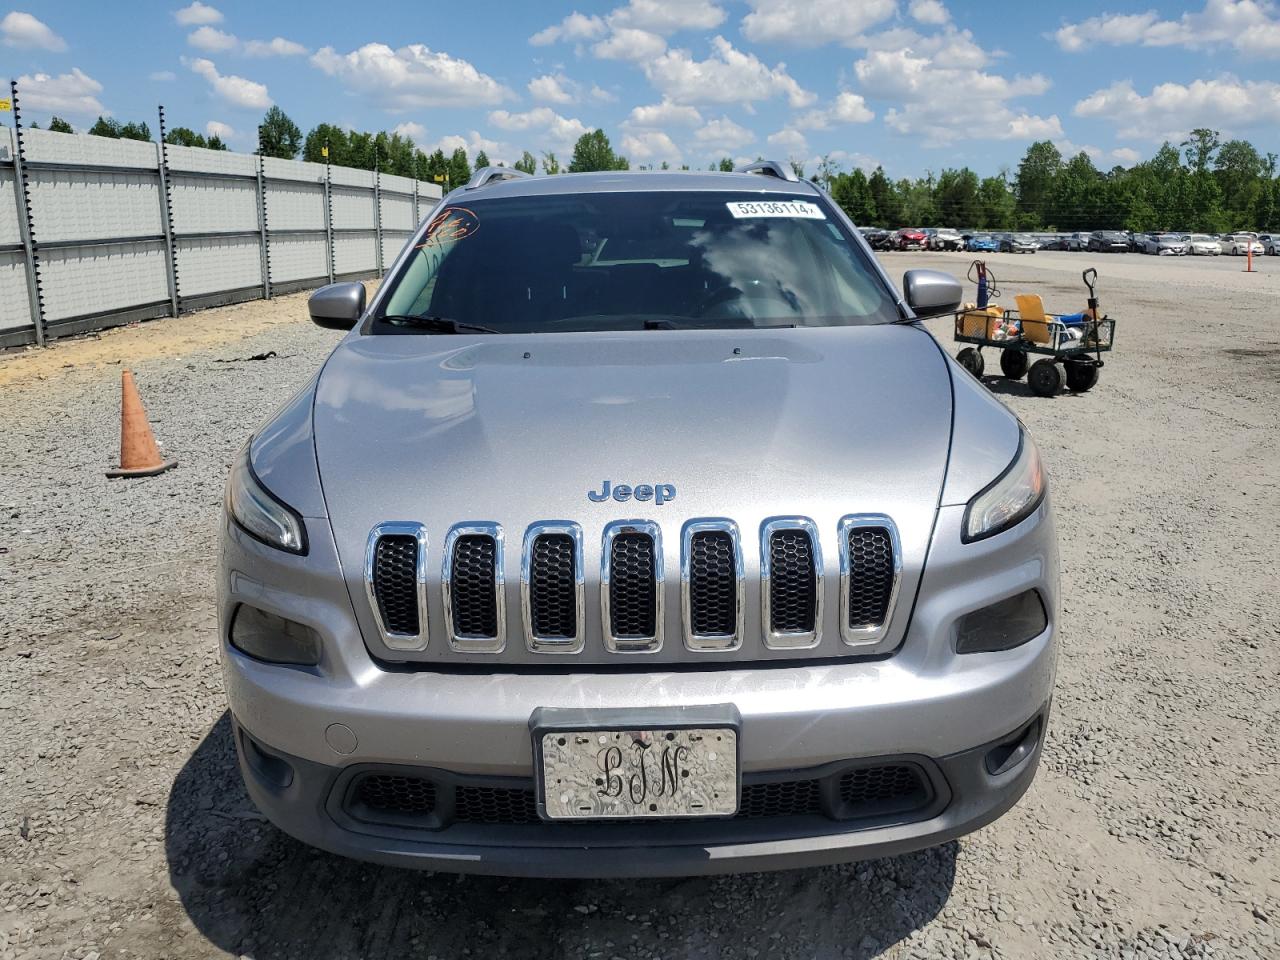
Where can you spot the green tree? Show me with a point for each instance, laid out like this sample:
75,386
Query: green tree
215,142
482,160
1239,170
884,200
957,197
110,127
726,165
135,131
323,134
594,152
278,136
185,137
527,163
459,168
550,165
998,204
58,125
1034,180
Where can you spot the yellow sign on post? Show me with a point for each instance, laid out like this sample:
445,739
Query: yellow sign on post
6,105
439,178
324,152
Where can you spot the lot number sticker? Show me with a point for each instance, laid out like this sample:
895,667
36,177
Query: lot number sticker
744,209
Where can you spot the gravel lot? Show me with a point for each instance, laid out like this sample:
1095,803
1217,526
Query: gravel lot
1151,830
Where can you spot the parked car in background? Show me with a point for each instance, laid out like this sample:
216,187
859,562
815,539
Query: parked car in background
1202,245
1270,244
1078,242
1164,244
1239,244
1108,241
1053,241
877,238
910,238
1018,243
982,243
1135,241
944,238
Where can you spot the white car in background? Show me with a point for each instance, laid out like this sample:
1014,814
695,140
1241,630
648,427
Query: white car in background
1239,244
1202,245
1164,245
944,238
1077,242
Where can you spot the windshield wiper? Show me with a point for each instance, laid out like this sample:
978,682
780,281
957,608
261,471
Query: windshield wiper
721,323
437,324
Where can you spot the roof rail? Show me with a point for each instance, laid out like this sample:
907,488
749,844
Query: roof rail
487,175
770,168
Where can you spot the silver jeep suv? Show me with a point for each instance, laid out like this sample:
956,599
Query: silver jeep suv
637,527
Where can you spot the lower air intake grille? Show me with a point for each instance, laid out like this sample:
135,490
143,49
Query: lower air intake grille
395,582
785,798
495,805
632,589
870,575
792,587
553,586
387,793
472,589
713,584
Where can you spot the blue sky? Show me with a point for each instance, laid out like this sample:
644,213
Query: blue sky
913,84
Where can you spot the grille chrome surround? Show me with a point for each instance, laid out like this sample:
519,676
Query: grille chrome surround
629,643
470,642
392,639
704,642
856,635
789,639
553,644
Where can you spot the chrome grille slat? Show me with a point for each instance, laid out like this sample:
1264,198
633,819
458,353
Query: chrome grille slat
870,575
552,587
395,580
473,589
632,586
712,585
791,583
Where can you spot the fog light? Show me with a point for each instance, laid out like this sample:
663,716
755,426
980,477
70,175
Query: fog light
273,639
1002,625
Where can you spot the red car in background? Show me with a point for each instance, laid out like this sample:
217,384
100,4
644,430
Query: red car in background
910,238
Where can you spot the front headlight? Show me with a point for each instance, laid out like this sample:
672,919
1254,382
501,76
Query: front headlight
1010,498
259,513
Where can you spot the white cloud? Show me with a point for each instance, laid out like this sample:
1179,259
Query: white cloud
553,131
630,43
728,76
1172,110
862,161
938,105
23,30
668,16
845,108
663,114
553,88
1249,26
651,146
601,95
162,76
275,47
411,78
216,128
812,23
790,140
1126,155
723,135
197,13
73,93
212,40
929,11
575,26
237,91
415,131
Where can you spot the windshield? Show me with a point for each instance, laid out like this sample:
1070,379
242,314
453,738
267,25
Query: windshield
1200,238
629,261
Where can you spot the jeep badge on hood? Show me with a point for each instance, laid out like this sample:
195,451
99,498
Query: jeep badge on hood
659,493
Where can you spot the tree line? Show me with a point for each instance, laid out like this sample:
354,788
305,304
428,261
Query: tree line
1204,184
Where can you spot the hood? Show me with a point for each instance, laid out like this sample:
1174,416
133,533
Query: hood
516,429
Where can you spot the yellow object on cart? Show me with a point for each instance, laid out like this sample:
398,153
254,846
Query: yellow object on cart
980,323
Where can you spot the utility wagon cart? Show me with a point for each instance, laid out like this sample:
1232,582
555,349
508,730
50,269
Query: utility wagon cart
1074,341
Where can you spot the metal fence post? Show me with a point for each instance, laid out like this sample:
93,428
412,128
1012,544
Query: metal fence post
26,226
166,217
328,211
264,248
377,211
416,218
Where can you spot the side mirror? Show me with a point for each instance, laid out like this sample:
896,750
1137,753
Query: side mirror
337,306
931,292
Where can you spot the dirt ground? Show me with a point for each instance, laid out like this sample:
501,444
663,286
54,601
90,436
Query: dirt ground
1151,830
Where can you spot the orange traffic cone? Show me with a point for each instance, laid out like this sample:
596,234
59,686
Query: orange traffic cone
139,453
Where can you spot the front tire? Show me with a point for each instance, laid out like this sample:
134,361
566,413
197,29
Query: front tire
1081,375
971,359
1014,363
1044,378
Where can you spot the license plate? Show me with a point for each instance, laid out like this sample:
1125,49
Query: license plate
632,774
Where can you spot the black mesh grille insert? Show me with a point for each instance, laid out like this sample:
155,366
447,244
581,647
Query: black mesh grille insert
792,590
395,582
889,788
552,586
472,591
786,798
632,587
388,793
870,575
495,805
713,584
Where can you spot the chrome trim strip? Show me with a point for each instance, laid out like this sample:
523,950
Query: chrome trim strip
866,634
399,641
535,643
616,644
703,642
474,643
790,639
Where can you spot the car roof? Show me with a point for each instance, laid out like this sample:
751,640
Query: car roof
630,181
